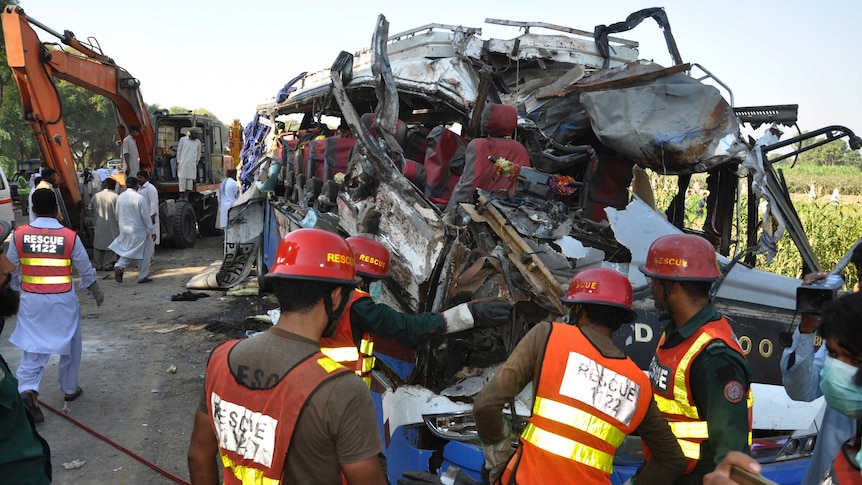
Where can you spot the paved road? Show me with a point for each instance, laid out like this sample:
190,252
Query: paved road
130,342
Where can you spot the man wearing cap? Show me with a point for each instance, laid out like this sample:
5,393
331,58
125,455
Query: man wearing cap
587,396
188,154
700,377
274,407
364,318
49,319
24,455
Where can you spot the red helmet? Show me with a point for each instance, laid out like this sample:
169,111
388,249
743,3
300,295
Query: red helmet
372,258
681,257
601,286
314,254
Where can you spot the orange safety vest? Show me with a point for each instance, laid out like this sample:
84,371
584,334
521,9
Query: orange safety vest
671,382
843,471
342,348
254,429
46,258
585,406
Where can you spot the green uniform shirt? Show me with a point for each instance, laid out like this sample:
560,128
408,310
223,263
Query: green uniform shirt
382,321
24,455
711,370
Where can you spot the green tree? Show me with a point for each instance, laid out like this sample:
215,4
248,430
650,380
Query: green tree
16,139
90,125
830,154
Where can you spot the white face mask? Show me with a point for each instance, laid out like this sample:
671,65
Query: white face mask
839,389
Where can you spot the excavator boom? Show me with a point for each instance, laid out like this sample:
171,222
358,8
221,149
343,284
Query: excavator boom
35,68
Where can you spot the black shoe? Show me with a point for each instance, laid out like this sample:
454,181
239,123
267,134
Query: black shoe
29,398
74,395
118,274
145,280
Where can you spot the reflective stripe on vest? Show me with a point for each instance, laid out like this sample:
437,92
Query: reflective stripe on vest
683,416
255,429
247,475
582,420
46,280
23,186
571,449
343,349
585,405
679,405
46,262
45,255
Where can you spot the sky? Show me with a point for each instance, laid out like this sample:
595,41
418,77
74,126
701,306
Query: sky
228,57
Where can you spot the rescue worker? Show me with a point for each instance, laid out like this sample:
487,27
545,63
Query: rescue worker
49,318
587,397
700,376
364,319
23,182
275,408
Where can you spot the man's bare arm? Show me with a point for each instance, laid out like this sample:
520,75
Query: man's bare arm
364,472
203,449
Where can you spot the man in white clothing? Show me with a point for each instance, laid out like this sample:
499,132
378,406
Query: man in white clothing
130,151
188,154
151,196
104,207
228,192
49,317
136,233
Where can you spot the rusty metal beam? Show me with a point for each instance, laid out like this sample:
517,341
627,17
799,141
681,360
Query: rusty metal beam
534,270
617,83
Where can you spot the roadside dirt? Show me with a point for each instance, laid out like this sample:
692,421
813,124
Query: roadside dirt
130,397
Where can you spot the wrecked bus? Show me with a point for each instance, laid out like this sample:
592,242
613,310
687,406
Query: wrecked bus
499,168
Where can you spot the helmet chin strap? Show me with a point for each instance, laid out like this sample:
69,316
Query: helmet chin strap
335,314
579,310
666,286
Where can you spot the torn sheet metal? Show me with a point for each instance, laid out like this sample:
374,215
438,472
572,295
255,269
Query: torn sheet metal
638,225
672,125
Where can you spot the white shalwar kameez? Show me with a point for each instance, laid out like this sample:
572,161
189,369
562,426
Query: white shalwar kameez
188,154
136,229
151,196
228,192
50,324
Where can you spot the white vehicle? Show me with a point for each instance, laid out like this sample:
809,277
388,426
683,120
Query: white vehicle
6,211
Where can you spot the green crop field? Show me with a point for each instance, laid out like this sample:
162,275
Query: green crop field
831,229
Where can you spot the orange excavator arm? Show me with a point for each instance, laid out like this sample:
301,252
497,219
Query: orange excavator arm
35,68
